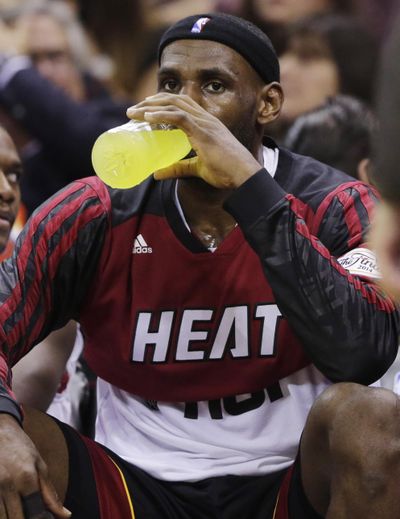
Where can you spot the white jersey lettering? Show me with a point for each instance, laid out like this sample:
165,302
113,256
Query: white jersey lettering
235,319
269,314
187,334
160,338
232,334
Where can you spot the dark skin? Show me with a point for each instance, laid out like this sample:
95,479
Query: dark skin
10,196
211,106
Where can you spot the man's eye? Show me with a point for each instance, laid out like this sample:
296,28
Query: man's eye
13,177
169,85
215,87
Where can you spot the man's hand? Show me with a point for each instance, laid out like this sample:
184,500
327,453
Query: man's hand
221,160
25,489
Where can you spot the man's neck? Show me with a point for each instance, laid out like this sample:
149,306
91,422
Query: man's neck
202,206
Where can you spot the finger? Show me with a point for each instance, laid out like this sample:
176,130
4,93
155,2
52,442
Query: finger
158,114
3,512
181,169
166,102
50,498
177,119
13,506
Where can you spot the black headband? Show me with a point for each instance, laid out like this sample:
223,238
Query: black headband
238,34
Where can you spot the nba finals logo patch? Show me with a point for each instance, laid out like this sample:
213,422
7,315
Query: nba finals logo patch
199,25
360,262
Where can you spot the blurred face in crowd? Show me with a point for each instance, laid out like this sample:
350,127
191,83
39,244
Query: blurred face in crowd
10,171
288,11
162,13
45,41
309,76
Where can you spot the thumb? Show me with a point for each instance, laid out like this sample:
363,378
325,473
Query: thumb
183,168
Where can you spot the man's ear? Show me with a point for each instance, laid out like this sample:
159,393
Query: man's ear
271,100
363,170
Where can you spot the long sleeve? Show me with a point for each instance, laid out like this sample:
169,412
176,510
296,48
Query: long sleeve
347,326
44,283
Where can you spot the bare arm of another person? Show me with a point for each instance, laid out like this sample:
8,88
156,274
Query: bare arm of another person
37,376
385,234
385,239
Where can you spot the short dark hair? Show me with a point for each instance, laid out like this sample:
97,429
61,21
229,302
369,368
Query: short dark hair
341,133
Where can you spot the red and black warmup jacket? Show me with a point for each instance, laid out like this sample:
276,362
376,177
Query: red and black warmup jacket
166,319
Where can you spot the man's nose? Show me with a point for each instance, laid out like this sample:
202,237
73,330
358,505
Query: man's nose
192,90
6,190
46,68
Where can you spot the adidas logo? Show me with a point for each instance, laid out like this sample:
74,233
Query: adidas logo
140,246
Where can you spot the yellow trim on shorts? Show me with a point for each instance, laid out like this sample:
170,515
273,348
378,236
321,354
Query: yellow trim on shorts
276,504
128,496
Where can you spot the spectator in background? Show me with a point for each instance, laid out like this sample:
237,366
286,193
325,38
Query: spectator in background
385,235
43,33
10,196
274,18
165,12
119,31
129,34
37,377
377,15
46,39
386,229
54,378
326,56
62,108
290,11
341,132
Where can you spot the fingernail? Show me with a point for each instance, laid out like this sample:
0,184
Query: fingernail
67,511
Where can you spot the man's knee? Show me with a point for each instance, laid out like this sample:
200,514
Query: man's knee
352,437
354,410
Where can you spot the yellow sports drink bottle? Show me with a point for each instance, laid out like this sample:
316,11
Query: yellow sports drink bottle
124,156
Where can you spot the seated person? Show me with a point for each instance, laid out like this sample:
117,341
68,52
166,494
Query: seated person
340,132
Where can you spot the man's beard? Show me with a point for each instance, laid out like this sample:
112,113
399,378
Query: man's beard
245,133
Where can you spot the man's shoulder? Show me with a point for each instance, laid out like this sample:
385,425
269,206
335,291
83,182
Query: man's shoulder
123,204
309,179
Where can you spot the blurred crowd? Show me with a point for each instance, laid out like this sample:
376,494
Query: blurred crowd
69,69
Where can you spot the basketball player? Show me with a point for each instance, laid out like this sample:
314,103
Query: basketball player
254,293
